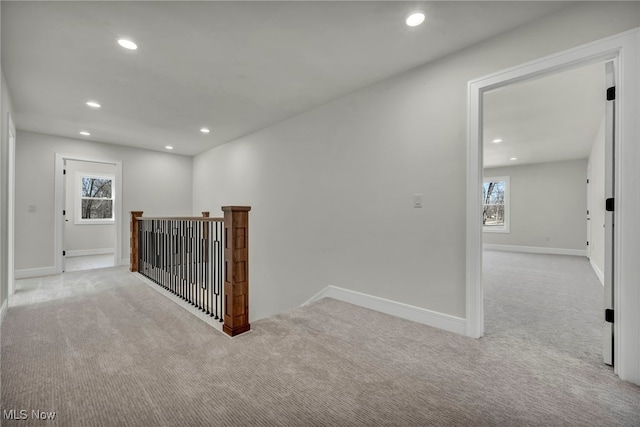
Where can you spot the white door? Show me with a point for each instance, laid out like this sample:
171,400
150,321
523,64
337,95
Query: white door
609,191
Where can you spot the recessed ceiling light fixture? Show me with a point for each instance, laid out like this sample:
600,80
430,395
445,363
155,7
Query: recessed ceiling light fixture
168,147
93,104
205,130
127,44
513,158
415,18
497,141
84,133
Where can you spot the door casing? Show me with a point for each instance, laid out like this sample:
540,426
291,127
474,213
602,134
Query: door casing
624,49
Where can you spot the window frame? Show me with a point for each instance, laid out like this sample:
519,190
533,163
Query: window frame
506,227
78,220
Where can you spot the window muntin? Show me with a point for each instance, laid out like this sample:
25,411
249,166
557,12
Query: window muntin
94,198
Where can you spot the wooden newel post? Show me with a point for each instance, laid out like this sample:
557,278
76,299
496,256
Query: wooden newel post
133,240
236,269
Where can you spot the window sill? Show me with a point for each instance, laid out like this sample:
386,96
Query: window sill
95,222
496,230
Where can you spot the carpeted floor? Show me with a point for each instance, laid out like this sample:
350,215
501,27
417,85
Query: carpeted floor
119,354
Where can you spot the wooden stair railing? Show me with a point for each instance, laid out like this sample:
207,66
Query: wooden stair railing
235,264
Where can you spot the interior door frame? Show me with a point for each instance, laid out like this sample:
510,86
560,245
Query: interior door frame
11,200
624,49
59,204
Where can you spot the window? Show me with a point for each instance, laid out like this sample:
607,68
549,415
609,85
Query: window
94,198
495,204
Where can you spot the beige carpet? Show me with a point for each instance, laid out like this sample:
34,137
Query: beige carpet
116,353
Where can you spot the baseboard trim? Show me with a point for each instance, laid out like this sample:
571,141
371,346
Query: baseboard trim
394,308
535,249
85,252
35,272
216,324
3,309
597,270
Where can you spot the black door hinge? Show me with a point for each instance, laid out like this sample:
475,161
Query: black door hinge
611,93
609,204
64,253
587,243
587,181
608,315
64,171
65,212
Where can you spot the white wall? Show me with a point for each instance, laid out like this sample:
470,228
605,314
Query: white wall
154,182
548,206
596,167
85,238
332,188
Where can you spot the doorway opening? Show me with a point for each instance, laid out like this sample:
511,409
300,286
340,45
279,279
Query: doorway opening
89,224
539,137
88,201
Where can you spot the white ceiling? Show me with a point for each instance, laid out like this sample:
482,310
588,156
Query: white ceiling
234,67
551,118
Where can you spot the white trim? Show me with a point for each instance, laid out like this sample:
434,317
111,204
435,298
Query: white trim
86,252
626,269
60,202
35,272
394,308
11,199
125,261
597,270
3,309
216,324
535,249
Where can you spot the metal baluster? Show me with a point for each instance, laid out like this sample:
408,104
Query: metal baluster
207,296
190,261
183,260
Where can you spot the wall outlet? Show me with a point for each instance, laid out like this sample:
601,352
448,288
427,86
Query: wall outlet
417,200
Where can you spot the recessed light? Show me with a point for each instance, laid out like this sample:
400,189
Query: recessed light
168,147
127,44
205,130
93,104
85,133
497,141
513,158
415,18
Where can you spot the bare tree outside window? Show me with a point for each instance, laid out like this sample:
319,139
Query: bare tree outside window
97,198
493,200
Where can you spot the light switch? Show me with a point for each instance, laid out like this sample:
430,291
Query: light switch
417,200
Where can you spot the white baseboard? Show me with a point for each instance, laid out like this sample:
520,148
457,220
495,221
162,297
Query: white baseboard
3,309
394,308
217,324
35,272
535,249
85,252
597,270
